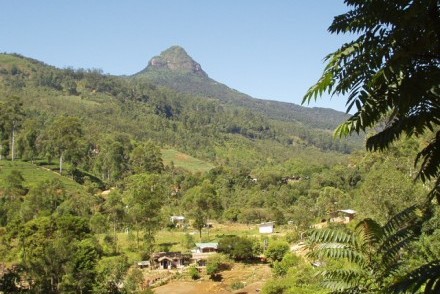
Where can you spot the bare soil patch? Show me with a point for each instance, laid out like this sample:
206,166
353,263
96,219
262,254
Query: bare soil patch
253,277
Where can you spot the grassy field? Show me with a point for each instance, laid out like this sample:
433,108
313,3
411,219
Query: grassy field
176,239
33,174
185,161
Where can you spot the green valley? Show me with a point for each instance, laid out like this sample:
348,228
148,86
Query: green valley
167,179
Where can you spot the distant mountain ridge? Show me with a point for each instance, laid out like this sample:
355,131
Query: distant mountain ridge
175,69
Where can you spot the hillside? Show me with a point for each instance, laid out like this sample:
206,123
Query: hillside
175,69
93,166
197,124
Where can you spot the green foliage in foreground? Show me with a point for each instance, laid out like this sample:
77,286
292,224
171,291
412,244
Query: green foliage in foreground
390,73
374,254
294,275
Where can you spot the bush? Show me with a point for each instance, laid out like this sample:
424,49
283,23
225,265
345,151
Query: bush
274,287
293,236
276,250
215,264
289,260
237,285
237,248
194,273
212,269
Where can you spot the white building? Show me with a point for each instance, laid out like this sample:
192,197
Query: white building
267,228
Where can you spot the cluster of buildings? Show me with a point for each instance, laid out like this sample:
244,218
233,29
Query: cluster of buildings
171,260
198,256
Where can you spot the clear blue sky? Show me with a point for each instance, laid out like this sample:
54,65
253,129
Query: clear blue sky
267,49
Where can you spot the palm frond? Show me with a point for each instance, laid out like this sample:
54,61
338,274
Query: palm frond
330,235
430,167
369,231
401,219
427,275
341,280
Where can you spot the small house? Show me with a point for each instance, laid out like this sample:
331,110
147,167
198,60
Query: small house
177,220
170,260
203,251
343,216
206,247
267,228
143,264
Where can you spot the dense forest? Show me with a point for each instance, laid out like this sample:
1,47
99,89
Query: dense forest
88,159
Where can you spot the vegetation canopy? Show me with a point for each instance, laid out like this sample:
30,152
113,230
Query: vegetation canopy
390,73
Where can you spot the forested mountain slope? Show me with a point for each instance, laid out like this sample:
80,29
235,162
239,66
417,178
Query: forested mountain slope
66,135
175,69
220,128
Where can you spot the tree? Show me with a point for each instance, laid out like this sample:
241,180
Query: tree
27,139
200,219
115,209
43,199
374,253
238,248
203,203
113,157
11,117
81,272
44,243
145,197
281,267
111,272
64,138
386,190
146,158
390,73
330,200
215,264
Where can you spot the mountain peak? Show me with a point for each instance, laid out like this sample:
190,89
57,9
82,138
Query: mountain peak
175,59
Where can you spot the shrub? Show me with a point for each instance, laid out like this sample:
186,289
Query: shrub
237,285
194,273
237,248
215,264
289,260
274,287
212,269
276,250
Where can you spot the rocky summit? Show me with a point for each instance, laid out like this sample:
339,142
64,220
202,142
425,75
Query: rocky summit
175,59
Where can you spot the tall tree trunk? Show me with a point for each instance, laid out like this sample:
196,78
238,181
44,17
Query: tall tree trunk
115,237
61,163
13,143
